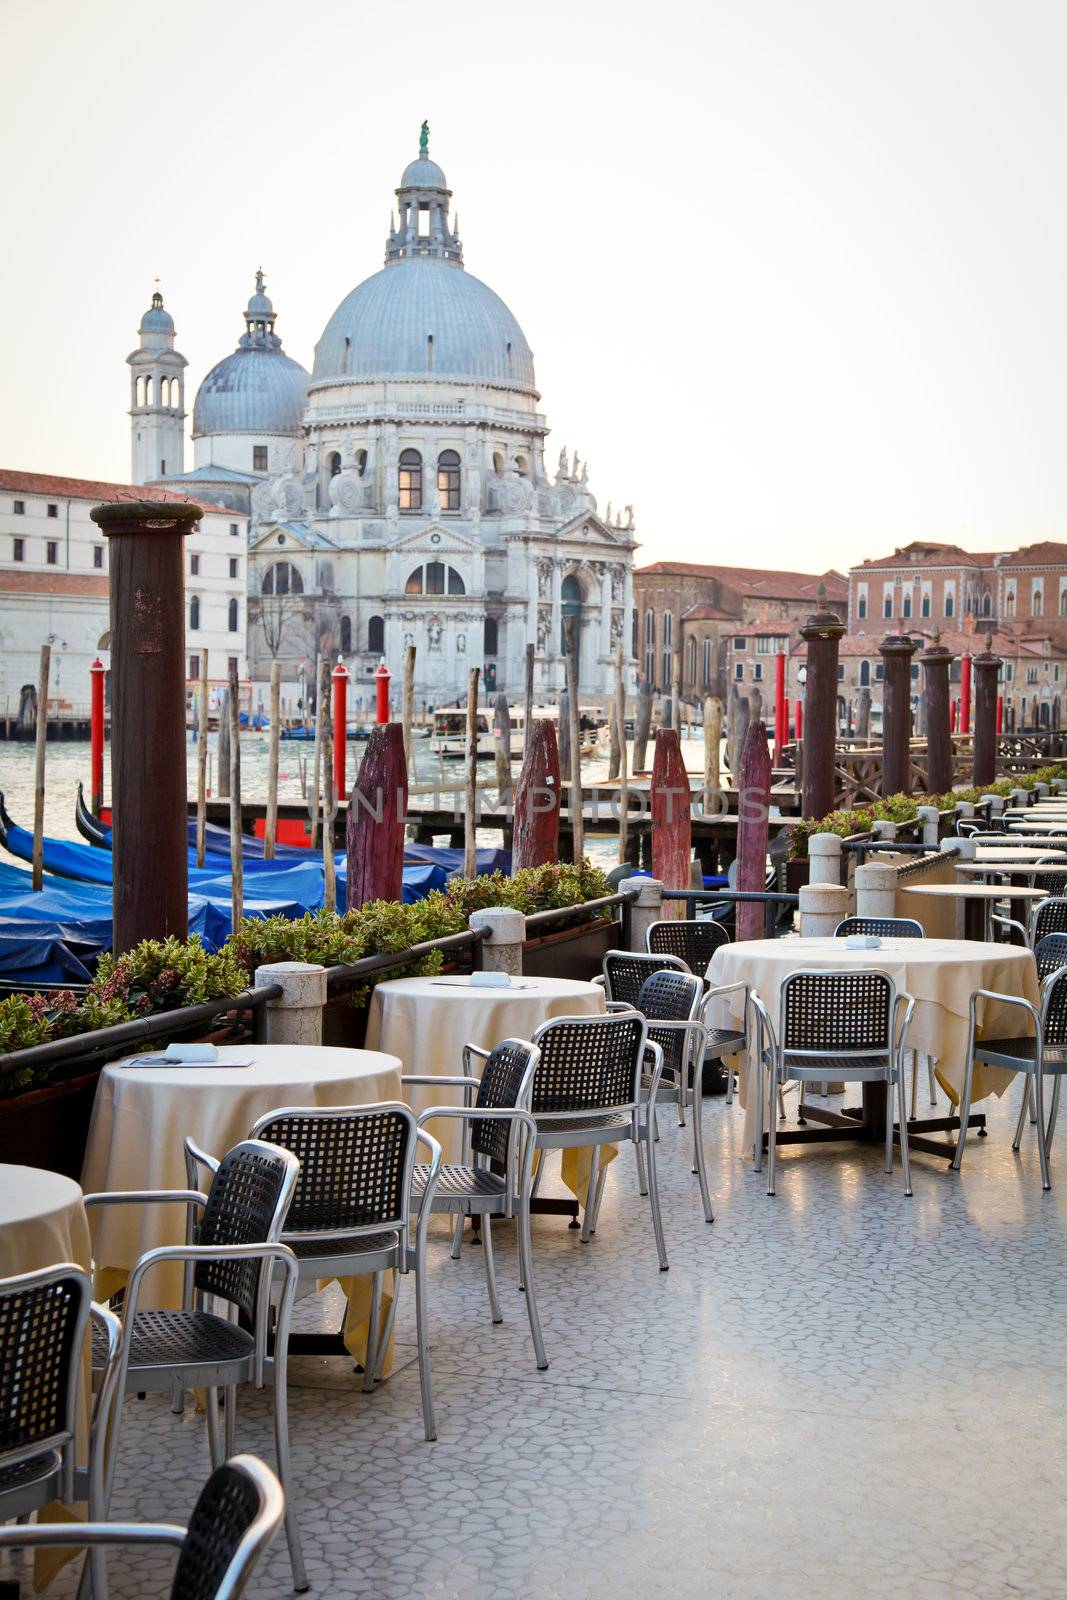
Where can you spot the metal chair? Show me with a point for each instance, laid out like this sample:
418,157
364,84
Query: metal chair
351,1212
845,1026
234,1520
894,928
693,940
589,1089
234,1250
1050,916
494,1176
1050,954
624,971
671,1003
1040,1054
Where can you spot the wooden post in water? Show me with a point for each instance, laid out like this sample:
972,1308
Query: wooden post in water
896,652
624,782
752,828
408,712
712,746
502,732
149,807
935,662
41,746
270,834
203,702
642,727
237,866
223,785
377,812
863,715
528,699
537,800
563,735
470,789
316,767
986,669
329,810
822,634
672,832
613,742
739,724
575,730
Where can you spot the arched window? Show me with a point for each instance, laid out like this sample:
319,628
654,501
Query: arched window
987,605
1037,606
1009,602
448,480
521,466
376,636
498,462
164,391
233,616
925,606
346,636
906,611
148,391
361,462
435,577
194,613
707,664
865,674
1063,603
410,480
489,644
335,463
414,583
950,604
691,661
668,647
455,582
571,608
282,578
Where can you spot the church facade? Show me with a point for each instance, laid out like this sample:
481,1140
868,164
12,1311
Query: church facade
399,492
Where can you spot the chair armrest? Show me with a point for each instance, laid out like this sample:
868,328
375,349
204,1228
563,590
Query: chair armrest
428,1079
908,1002
657,1068
614,1005
600,981
426,1203
194,1158
41,1535
1005,1000
142,1197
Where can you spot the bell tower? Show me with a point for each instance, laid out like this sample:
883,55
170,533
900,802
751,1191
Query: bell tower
157,398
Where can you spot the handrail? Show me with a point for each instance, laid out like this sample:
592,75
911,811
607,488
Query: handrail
572,913
764,895
366,965
99,1041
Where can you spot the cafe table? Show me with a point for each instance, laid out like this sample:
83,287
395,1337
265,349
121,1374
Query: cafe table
941,975
1020,850
977,900
426,1021
143,1114
1012,869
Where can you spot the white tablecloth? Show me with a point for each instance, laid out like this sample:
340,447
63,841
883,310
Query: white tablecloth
42,1221
940,973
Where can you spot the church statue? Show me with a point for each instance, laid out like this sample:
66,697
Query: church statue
424,139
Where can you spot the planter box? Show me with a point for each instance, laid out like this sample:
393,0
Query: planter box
576,952
48,1126
797,874
344,1027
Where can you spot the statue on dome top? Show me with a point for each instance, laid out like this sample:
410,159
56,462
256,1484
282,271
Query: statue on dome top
424,139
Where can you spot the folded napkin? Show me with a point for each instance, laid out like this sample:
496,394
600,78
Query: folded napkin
489,980
191,1054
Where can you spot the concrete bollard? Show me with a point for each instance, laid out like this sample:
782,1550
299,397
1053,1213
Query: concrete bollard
929,816
646,909
996,803
824,857
1041,790
1020,797
884,829
966,849
296,1016
502,950
876,890
822,907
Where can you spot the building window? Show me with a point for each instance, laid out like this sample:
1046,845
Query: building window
691,661
98,555
282,578
887,606
233,530
414,583
194,613
490,638
163,468
1031,674
335,464
739,670
194,666
757,672
18,552
865,674
448,480
346,636
53,509
455,582
1063,597
376,636
950,603
924,607
410,481
739,644
879,673
1037,599
668,647
20,508
1009,600
906,608
650,647
259,458
52,552
435,577
231,665
841,671
234,564
861,607
194,565
234,616
707,664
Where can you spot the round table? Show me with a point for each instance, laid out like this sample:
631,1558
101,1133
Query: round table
42,1222
427,1021
977,899
941,974
142,1115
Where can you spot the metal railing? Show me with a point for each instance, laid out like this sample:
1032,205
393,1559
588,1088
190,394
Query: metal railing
468,939
771,900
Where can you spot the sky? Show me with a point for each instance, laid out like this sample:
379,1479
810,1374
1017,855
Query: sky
793,271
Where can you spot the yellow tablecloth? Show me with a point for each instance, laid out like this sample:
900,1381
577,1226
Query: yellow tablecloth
142,1115
940,973
427,1021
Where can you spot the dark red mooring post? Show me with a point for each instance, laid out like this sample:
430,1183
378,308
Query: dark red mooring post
97,673
897,651
935,664
149,814
377,812
781,709
753,822
965,692
986,672
822,634
670,801
536,830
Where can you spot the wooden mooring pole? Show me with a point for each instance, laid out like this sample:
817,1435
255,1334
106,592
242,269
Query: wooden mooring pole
201,760
271,829
41,746
470,788
237,862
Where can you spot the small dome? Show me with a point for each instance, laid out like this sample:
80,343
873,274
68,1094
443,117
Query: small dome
253,390
259,306
156,319
423,174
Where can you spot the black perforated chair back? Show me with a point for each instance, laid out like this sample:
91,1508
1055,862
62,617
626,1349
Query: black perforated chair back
502,1083
1050,883
1055,1012
1050,953
246,1205
670,997
626,970
694,941
836,1012
355,1165
43,1317
881,927
588,1063
234,1519
1050,917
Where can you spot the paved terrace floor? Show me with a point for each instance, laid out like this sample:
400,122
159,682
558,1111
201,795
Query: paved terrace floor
838,1392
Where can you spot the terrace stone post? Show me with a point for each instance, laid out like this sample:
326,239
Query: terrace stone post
645,909
822,907
876,890
296,1016
930,817
824,858
822,633
502,950
935,664
150,893
896,652
986,670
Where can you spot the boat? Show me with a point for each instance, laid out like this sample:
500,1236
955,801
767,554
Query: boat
353,731
97,832
449,737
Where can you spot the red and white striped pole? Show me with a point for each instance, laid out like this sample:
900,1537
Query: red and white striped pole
97,673
339,678
381,685
781,708
965,693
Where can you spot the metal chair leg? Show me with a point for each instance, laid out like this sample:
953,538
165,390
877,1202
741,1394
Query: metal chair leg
931,1079
590,1193
729,1084
370,1363
653,1191
905,1154
698,1152
457,1236
214,1429
1028,1089
889,1088
601,1182
490,1268
387,1331
1051,1129
423,1344
1042,1148
526,1258
229,1419
281,1445
642,1176
772,1143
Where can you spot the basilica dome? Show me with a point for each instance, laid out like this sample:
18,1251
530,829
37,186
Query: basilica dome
424,315
257,389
